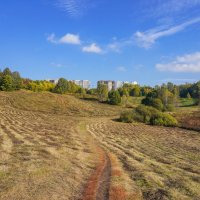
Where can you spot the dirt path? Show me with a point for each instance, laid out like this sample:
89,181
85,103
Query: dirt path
98,184
108,181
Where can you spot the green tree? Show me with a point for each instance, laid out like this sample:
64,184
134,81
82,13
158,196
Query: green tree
7,71
176,95
6,83
154,102
135,91
170,86
17,80
82,92
114,97
62,86
92,91
145,90
102,91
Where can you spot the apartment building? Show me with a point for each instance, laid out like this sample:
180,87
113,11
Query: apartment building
82,83
118,84
110,84
114,85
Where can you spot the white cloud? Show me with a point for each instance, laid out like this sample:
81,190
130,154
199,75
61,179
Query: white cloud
121,69
148,38
186,63
70,39
66,39
93,48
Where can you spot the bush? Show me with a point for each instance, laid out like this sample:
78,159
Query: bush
144,113
154,102
92,91
114,97
127,117
169,107
39,86
163,119
147,114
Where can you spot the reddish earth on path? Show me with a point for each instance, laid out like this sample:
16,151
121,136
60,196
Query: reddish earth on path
99,186
98,183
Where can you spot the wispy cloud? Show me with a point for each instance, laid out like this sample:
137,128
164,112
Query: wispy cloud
75,8
148,38
186,63
92,48
51,38
144,39
57,65
121,69
169,8
66,39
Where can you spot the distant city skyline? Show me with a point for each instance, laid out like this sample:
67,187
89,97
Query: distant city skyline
86,84
152,41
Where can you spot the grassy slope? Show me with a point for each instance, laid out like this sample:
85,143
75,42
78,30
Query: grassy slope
42,154
46,154
58,104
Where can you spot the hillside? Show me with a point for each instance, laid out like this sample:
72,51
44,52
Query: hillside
62,148
51,103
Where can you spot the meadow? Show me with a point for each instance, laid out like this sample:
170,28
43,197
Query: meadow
63,147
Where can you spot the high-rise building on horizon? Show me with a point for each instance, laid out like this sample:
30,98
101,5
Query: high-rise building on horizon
114,85
110,84
82,83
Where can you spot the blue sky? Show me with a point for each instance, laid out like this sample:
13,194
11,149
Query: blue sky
149,41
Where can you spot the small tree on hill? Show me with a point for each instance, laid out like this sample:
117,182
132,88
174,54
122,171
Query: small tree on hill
17,80
82,92
102,91
135,91
6,83
7,71
61,86
114,97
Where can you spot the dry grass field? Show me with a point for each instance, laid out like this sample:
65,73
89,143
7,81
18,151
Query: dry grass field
163,162
189,117
55,147
42,155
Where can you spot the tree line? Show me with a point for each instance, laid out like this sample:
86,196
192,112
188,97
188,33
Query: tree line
163,97
10,81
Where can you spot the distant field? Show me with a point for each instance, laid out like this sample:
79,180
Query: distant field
185,102
59,147
188,114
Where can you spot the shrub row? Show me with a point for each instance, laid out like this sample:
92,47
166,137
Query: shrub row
149,115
